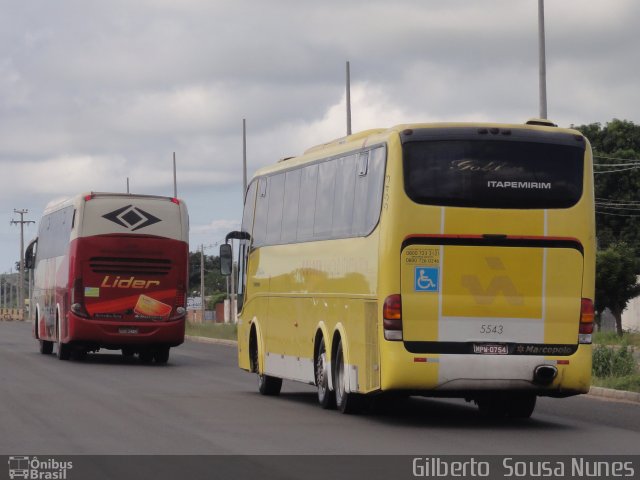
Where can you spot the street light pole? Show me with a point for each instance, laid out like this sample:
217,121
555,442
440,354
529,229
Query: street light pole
542,61
202,306
244,158
22,221
348,95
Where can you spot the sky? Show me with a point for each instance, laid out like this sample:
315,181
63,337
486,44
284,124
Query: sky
94,92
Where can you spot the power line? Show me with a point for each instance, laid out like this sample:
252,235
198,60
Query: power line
619,159
616,214
616,207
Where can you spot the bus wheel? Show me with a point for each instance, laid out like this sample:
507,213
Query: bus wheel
521,405
63,351
146,356
79,355
128,352
512,405
326,397
346,402
46,347
161,355
268,385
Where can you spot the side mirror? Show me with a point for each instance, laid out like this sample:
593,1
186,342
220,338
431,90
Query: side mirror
226,259
29,255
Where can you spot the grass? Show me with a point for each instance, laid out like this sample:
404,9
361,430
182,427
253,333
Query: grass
611,338
630,383
614,364
213,330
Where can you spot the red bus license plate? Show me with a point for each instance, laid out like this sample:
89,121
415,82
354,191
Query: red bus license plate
128,330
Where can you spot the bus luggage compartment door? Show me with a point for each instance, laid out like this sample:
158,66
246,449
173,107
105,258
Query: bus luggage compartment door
463,295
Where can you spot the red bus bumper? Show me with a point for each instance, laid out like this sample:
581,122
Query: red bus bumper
114,334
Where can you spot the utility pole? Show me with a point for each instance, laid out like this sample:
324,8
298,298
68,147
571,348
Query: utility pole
244,158
348,100
542,61
175,178
202,307
22,221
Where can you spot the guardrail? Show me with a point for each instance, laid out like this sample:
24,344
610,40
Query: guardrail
10,314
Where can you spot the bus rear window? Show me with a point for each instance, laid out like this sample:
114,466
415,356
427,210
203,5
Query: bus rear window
493,174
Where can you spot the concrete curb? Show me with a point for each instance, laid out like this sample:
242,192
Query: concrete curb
594,391
215,341
615,394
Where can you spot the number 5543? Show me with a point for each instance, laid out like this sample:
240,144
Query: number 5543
497,329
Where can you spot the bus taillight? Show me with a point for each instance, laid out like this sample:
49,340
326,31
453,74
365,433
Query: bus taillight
392,317
180,310
586,320
77,299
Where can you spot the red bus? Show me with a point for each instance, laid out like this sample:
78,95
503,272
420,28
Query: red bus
110,271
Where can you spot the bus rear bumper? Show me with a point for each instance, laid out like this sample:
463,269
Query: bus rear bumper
458,375
110,334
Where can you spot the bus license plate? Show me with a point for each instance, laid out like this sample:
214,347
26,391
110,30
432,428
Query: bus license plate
128,330
490,349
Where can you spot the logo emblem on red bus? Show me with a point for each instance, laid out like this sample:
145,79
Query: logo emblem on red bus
131,217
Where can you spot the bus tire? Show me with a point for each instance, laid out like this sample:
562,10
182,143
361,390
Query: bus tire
326,397
63,351
46,347
128,352
512,405
161,355
521,405
347,402
79,355
268,385
145,356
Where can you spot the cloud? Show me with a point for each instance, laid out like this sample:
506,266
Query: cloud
94,92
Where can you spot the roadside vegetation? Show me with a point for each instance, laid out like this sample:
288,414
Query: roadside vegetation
614,363
212,330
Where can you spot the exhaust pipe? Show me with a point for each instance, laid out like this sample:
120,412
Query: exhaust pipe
544,374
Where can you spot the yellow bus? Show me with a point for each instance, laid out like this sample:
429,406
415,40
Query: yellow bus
449,259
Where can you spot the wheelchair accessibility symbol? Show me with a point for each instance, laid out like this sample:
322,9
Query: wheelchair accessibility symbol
426,279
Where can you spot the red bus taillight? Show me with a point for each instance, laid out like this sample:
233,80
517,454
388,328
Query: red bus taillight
392,317
179,310
587,314
77,299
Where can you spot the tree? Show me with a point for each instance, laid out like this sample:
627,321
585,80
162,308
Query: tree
214,281
616,150
616,280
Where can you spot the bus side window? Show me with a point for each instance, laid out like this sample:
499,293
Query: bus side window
368,193
30,255
291,204
262,209
274,216
307,208
344,195
249,208
325,194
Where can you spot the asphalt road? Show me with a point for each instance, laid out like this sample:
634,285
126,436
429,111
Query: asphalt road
201,403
